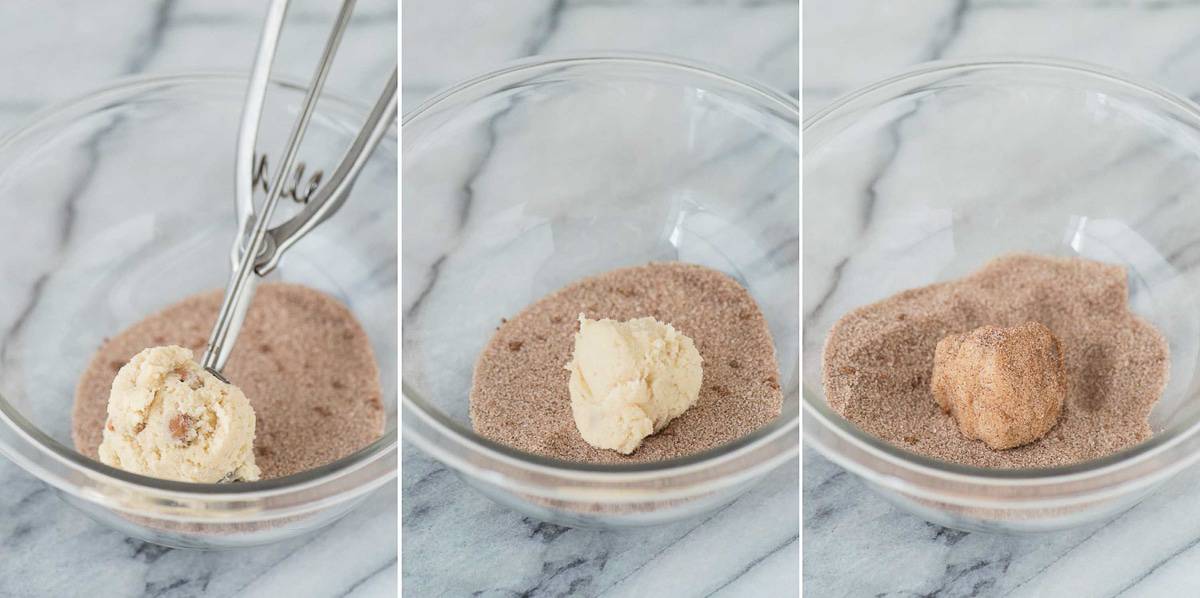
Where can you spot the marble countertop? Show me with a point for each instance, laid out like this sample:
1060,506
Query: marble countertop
56,51
457,542
857,544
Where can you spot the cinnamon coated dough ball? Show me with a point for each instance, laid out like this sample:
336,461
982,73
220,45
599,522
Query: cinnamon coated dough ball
1004,386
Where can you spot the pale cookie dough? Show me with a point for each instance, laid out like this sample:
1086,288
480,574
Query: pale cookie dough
1004,386
630,379
169,418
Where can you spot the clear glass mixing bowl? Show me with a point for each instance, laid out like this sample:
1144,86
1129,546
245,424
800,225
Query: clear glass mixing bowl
925,176
523,180
120,203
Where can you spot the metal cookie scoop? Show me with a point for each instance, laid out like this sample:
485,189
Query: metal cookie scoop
257,247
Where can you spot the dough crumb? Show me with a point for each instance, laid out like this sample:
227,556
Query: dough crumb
1004,386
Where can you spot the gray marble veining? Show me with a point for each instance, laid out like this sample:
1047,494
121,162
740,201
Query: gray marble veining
856,543
51,549
57,51
457,542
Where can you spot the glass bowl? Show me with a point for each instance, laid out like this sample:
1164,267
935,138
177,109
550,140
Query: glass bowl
925,176
120,203
523,180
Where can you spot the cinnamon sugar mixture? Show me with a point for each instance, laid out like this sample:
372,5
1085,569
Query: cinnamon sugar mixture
878,360
301,358
519,396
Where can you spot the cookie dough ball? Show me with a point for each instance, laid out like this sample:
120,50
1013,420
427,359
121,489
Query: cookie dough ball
630,379
170,418
1004,386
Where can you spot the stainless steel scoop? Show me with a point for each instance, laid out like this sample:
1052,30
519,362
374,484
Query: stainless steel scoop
257,247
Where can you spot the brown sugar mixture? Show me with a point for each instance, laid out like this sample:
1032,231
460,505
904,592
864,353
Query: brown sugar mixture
301,358
520,398
878,360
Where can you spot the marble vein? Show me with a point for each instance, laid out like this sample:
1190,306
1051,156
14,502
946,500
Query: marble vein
543,30
145,551
491,140
546,28
834,280
433,271
152,40
546,532
949,30
467,193
516,553
871,186
546,25
788,248
382,569
19,322
945,535
766,200
754,563
91,163
783,47
279,559
664,549
1140,578
1183,52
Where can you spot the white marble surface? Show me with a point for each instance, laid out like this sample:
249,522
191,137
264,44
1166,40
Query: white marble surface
55,51
855,543
455,541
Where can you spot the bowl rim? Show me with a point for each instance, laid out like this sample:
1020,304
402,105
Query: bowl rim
651,59
819,416
329,474
759,441
1110,75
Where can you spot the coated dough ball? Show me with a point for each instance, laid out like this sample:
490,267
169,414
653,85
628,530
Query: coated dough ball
1004,386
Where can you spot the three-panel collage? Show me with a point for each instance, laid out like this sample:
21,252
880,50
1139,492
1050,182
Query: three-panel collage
599,298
